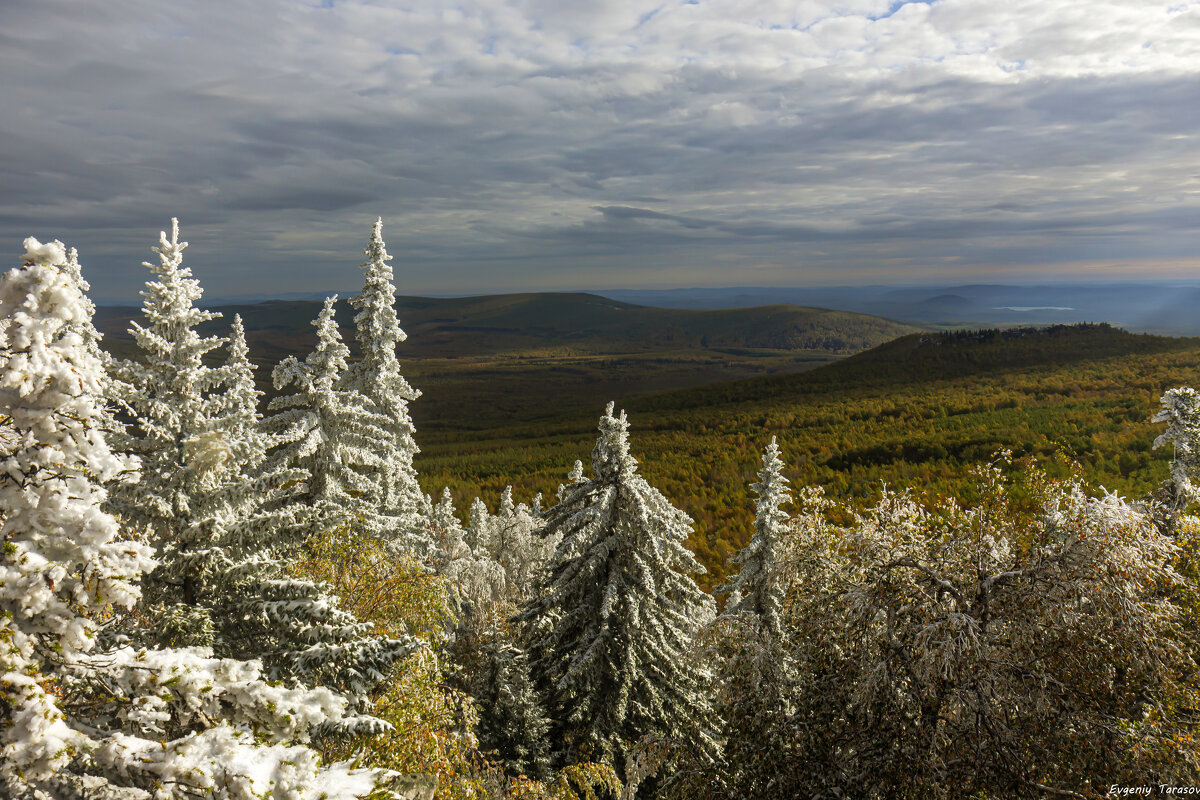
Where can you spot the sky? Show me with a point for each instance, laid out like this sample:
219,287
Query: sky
523,145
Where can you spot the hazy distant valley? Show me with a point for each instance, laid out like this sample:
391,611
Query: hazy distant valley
1162,307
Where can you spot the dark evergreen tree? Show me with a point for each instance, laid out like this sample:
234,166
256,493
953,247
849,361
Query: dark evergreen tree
512,720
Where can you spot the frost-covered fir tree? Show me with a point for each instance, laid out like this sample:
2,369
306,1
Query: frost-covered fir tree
172,402
755,590
232,522
449,536
240,423
610,629
1181,411
513,539
171,387
82,720
478,527
377,377
329,431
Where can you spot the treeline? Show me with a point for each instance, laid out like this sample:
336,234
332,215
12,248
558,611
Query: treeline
203,600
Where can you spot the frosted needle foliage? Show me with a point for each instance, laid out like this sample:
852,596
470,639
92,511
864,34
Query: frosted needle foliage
83,720
327,430
173,403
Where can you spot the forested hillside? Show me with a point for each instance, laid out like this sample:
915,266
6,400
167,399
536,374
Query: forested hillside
916,413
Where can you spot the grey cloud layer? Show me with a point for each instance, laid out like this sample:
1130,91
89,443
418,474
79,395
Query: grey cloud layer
514,145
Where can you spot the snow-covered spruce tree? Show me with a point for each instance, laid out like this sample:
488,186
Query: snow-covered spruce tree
329,431
478,524
479,582
232,520
448,530
610,629
1181,412
172,403
514,541
117,723
446,533
377,377
755,590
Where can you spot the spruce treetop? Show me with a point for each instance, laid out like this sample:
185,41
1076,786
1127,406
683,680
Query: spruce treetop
171,298
378,327
241,420
610,457
328,361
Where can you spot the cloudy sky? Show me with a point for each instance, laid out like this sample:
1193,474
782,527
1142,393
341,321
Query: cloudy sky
555,144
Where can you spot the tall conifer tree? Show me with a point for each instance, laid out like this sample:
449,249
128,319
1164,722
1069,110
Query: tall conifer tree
173,404
755,590
377,377
611,627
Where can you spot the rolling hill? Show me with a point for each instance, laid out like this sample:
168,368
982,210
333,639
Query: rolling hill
489,360
513,384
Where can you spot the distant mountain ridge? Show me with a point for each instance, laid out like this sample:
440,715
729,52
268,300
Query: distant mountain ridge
577,322
495,358
1163,307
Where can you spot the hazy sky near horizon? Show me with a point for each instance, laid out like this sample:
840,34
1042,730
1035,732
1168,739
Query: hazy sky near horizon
553,144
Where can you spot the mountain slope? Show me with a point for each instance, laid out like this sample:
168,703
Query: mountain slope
930,358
